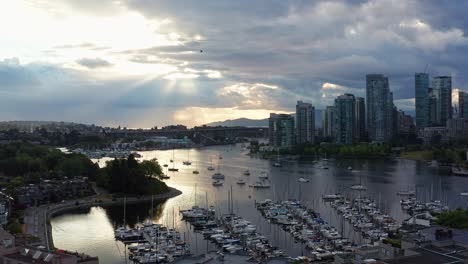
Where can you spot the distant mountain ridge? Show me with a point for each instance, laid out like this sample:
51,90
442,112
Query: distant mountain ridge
241,122
259,122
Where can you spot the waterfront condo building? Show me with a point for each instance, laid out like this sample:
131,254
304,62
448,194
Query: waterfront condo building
379,108
421,91
305,123
328,122
345,119
442,92
281,130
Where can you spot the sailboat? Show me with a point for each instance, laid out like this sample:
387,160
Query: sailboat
164,176
195,171
241,181
359,187
173,163
277,163
187,162
217,183
217,175
211,168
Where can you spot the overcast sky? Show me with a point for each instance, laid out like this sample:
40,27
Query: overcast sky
138,63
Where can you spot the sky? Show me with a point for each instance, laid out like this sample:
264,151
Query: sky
145,63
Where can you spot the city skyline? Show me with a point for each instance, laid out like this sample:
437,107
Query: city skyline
143,64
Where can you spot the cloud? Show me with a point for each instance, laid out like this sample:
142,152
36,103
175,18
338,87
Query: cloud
93,63
257,56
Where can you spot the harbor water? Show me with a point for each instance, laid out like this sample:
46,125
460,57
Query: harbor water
92,230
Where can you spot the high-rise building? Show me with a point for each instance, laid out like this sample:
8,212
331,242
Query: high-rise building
328,122
432,109
405,123
442,90
305,123
281,130
421,91
379,108
360,119
345,119
462,104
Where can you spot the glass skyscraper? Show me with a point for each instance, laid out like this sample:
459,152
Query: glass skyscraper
442,90
345,119
305,123
421,91
379,108
281,130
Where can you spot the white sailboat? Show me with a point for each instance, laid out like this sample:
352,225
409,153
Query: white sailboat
358,187
217,183
241,181
211,168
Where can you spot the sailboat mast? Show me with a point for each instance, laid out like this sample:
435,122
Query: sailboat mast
124,215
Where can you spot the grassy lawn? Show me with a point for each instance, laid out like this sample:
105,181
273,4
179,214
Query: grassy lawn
417,155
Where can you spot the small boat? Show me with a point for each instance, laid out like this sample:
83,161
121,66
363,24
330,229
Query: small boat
173,169
211,168
165,165
164,176
195,172
217,176
332,196
303,180
406,193
263,175
277,165
459,171
247,173
187,163
464,194
171,161
260,184
358,187
218,183
350,168
241,182
220,157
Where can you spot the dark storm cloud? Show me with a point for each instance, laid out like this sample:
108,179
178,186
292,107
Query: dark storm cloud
309,50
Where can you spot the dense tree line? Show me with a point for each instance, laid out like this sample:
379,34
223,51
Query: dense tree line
454,219
32,162
358,150
25,163
128,176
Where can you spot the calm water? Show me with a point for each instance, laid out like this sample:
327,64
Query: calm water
91,230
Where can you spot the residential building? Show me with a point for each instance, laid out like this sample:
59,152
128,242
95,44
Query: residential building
462,104
432,108
305,123
405,123
442,91
421,91
427,134
13,252
360,119
379,108
345,119
281,130
457,128
328,121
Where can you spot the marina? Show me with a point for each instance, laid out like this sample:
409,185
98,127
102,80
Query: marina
381,178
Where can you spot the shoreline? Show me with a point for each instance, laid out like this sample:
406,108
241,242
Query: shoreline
37,219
